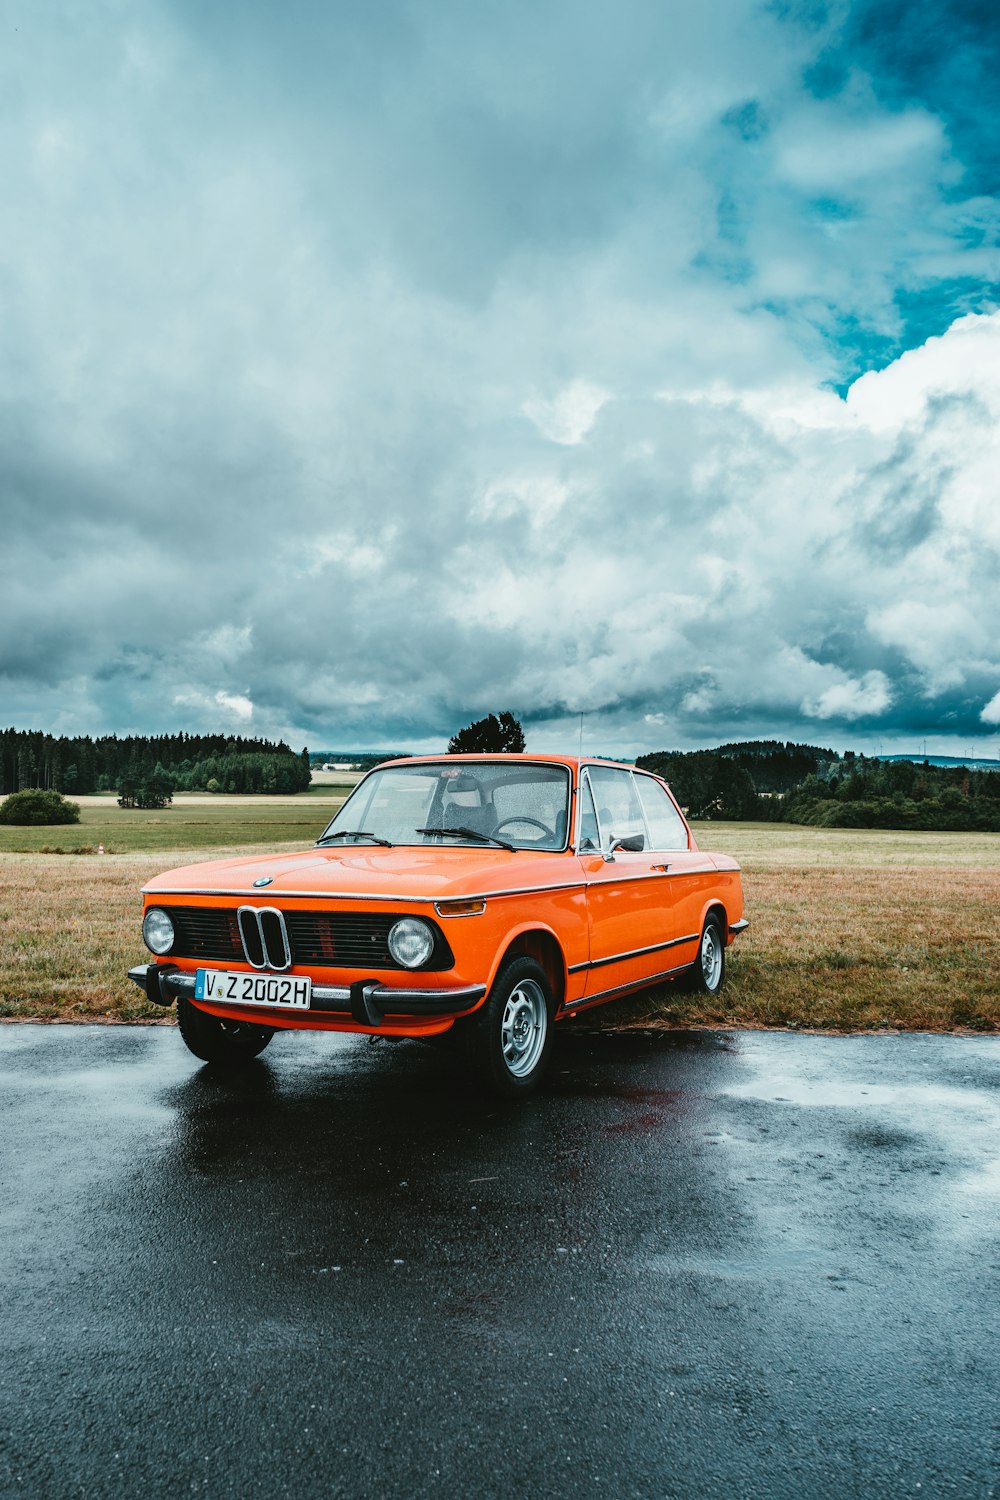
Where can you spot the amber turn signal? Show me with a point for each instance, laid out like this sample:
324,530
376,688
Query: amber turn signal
460,908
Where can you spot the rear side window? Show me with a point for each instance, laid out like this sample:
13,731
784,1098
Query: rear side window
666,826
618,810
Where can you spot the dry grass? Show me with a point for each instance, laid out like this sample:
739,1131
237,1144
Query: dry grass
69,931
792,844
852,949
850,930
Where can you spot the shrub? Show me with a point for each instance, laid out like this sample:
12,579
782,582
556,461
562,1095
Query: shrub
37,807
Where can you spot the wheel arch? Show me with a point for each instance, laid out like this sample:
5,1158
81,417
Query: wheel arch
541,944
715,908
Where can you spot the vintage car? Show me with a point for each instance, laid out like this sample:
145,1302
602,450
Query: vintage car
483,896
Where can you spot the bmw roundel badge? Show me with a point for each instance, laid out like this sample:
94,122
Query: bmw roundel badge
264,880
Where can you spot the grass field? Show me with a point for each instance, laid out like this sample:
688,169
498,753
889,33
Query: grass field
195,821
849,929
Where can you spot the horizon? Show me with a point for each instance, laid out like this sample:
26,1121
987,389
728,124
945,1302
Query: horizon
877,751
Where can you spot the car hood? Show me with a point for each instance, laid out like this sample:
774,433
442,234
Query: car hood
435,872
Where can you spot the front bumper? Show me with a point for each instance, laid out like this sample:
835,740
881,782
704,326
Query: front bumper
366,1001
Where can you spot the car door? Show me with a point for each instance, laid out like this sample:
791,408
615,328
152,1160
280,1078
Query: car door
630,896
689,873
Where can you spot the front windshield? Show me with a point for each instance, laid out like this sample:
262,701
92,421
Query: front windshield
484,804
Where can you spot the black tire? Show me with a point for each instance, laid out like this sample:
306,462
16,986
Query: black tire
509,1040
230,1043
707,974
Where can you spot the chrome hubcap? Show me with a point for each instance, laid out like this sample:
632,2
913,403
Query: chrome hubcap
711,958
523,1028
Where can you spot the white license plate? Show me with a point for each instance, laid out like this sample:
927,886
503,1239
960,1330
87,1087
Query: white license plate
253,989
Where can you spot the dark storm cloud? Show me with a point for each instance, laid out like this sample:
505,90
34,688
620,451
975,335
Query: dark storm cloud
367,370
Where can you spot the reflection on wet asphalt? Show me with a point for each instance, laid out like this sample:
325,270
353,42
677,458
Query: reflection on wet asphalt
697,1264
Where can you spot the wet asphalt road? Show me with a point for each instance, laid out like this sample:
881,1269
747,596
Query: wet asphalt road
696,1265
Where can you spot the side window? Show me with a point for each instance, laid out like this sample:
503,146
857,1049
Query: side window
666,828
618,811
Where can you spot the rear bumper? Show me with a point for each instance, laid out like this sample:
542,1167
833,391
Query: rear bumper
367,1001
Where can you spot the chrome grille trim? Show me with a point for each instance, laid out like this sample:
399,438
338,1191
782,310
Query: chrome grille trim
348,939
260,937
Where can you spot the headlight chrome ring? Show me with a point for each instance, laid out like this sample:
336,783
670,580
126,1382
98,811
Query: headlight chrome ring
157,931
411,942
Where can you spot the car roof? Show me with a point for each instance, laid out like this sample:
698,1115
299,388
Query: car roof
523,758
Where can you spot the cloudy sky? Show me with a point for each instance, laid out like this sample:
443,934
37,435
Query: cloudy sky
367,368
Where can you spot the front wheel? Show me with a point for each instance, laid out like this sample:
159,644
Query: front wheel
510,1038
215,1040
709,969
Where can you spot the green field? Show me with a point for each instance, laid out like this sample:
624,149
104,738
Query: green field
850,929
194,821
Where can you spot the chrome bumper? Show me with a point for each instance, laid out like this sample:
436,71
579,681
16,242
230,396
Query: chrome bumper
366,1001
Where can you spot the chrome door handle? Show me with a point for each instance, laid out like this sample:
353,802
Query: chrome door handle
661,868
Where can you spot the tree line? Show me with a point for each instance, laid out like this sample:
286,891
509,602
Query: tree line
81,764
765,781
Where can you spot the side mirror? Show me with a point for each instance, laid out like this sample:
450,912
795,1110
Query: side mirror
632,843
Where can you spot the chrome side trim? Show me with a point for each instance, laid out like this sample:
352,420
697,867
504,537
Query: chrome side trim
622,989
393,897
617,958
400,899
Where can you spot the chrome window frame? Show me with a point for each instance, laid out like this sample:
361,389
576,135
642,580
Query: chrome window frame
650,847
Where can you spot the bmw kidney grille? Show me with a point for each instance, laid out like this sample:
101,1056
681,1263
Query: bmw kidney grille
264,937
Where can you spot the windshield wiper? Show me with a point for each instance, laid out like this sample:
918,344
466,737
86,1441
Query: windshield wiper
354,833
469,833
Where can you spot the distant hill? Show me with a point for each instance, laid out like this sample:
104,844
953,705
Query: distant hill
770,780
771,766
762,749
945,760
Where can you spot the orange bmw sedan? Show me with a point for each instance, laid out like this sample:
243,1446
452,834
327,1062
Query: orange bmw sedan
489,896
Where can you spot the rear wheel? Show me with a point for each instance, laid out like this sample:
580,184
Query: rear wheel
709,969
215,1040
510,1038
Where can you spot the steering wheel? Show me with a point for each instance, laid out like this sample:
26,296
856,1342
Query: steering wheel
549,833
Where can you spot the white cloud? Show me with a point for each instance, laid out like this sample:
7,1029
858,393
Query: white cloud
819,151
942,640
227,708
570,416
537,497
851,699
991,712
961,364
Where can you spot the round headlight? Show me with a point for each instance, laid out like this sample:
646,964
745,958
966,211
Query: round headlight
157,931
411,942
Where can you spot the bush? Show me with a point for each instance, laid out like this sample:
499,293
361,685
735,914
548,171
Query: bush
39,808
